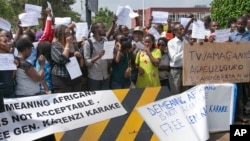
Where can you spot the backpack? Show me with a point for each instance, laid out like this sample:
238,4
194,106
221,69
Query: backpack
85,69
91,47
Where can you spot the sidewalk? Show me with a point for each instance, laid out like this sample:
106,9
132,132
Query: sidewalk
221,136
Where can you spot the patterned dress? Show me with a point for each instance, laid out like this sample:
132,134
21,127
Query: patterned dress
150,78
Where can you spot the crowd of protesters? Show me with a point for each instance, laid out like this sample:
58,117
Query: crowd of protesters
140,60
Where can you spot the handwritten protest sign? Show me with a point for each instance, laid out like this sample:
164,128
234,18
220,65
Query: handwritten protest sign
198,30
7,61
193,113
122,14
222,35
154,32
81,31
62,20
50,7
5,25
28,19
30,8
216,63
179,117
109,49
160,17
34,117
220,104
73,68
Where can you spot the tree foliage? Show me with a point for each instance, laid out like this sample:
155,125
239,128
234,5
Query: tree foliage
6,11
10,9
105,16
222,10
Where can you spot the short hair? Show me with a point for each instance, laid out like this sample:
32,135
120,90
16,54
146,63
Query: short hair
152,37
44,48
163,39
159,25
30,35
120,28
94,26
244,19
176,26
125,42
23,44
231,21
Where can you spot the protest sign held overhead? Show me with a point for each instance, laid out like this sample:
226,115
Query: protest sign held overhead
5,24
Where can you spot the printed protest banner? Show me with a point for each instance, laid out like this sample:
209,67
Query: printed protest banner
34,117
216,63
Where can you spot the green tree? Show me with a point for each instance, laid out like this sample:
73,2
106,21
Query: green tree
10,9
6,11
105,16
222,10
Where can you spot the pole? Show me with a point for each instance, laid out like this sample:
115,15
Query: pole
143,13
1,98
88,14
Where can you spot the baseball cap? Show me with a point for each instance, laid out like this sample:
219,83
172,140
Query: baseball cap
138,29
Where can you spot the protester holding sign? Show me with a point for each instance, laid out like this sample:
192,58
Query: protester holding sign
48,33
62,49
121,65
214,25
164,63
6,76
98,76
147,62
26,76
175,48
159,28
123,29
243,100
44,48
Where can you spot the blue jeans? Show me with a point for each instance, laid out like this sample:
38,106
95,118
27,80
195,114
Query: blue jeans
95,85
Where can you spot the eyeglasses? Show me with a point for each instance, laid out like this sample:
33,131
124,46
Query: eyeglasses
68,33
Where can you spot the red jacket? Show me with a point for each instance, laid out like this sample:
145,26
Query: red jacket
48,33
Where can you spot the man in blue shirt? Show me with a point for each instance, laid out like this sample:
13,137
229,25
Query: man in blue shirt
243,98
240,35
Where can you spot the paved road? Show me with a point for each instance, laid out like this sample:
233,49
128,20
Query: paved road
222,136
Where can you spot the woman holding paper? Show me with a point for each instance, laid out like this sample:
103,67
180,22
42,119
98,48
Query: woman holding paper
27,78
147,62
121,66
62,50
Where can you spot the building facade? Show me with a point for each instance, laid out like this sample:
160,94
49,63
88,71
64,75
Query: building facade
173,13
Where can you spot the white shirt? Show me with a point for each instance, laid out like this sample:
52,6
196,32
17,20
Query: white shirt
163,34
175,50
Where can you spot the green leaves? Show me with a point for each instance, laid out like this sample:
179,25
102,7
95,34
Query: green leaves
10,9
222,10
105,16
